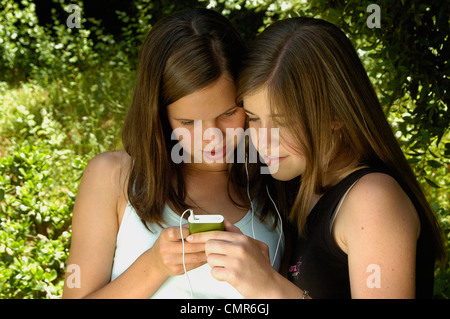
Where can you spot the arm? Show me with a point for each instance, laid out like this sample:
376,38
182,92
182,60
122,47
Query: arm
378,227
94,225
94,230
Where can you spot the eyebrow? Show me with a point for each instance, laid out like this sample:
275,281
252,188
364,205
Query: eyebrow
272,115
231,108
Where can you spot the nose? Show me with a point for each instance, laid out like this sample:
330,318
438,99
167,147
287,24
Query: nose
211,134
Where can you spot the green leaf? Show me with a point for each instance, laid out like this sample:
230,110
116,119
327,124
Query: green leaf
50,276
431,183
414,160
434,163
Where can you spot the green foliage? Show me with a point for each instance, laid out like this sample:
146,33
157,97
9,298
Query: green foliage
48,131
35,216
30,50
49,134
64,93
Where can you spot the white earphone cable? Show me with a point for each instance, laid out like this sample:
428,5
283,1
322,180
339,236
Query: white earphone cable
249,198
253,212
281,224
182,241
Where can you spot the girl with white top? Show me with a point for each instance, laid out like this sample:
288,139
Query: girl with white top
126,239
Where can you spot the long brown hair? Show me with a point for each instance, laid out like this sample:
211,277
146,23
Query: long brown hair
182,53
316,81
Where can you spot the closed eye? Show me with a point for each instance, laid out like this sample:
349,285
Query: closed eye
230,113
187,123
252,119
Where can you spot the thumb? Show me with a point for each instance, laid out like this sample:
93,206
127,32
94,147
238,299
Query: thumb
230,227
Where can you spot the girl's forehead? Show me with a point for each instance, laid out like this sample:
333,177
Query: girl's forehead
257,103
211,101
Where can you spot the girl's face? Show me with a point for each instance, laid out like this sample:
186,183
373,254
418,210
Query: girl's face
200,121
284,161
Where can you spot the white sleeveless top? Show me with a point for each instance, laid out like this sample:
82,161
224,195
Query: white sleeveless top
133,239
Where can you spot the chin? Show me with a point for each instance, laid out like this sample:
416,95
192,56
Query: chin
283,177
217,167
284,174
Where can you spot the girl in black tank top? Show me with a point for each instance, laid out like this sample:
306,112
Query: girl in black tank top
303,77
319,266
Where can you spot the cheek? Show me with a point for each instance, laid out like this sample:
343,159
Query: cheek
288,144
296,165
293,167
296,162
253,136
299,164
183,135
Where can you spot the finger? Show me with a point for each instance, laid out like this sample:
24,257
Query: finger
179,269
219,247
174,234
176,261
219,273
192,248
216,260
173,248
230,227
194,259
214,235
193,266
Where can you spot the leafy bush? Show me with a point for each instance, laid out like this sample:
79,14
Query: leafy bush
35,218
47,148
47,135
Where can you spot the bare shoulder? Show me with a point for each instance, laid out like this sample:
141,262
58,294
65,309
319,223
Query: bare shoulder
109,168
380,190
101,197
105,179
378,204
108,163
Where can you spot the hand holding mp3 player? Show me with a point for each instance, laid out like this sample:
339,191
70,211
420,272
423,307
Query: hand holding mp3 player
203,223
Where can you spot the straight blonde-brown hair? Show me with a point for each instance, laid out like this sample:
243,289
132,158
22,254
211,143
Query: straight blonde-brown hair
317,83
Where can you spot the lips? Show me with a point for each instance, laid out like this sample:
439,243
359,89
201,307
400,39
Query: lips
273,159
215,154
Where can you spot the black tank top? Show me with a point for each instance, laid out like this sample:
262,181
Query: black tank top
318,265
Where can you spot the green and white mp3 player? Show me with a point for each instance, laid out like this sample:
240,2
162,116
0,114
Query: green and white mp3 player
202,223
